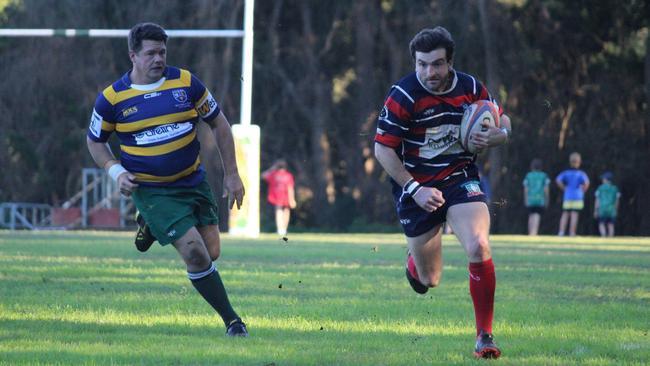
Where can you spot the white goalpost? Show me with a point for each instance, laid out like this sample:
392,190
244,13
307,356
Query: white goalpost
243,222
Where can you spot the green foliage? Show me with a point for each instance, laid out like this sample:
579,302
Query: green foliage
89,298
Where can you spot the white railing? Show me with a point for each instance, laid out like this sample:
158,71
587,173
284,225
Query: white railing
21,215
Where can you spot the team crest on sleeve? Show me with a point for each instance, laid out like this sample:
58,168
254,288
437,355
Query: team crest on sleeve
179,95
96,124
384,113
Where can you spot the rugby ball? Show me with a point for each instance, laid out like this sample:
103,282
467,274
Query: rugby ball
475,114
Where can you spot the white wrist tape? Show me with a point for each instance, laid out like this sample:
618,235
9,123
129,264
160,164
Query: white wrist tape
411,187
505,130
116,170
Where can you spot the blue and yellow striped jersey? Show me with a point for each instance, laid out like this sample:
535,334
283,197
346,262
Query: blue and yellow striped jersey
156,126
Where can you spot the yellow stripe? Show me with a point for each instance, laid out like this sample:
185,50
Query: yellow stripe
114,97
157,121
160,149
107,126
109,94
573,205
169,178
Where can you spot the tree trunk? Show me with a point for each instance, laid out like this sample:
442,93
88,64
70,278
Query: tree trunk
493,83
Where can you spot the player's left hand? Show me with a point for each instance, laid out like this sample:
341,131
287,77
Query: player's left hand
488,136
233,188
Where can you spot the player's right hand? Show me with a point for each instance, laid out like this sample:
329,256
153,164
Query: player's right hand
430,199
233,188
126,183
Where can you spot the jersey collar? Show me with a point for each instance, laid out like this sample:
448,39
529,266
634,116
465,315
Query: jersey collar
126,79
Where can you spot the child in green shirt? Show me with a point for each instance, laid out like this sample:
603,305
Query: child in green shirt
606,207
536,191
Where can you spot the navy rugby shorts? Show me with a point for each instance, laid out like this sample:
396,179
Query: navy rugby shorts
416,221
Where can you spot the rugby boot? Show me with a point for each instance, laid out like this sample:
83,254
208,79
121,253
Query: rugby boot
416,285
236,328
143,238
485,346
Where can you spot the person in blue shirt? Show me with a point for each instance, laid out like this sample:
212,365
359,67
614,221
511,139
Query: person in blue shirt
574,183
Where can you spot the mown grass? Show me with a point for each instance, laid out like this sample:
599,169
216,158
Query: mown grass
89,298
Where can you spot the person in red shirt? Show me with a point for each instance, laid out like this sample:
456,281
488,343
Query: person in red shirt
281,193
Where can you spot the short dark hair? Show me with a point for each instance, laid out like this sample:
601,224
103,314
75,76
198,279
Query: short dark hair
429,39
536,164
142,31
281,164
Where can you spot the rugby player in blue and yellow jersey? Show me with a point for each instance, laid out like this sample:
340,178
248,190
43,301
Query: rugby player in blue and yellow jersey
154,109
434,179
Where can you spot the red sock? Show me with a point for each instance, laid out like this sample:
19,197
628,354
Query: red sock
411,266
482,283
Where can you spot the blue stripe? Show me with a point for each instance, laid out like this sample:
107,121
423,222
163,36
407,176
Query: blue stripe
159,165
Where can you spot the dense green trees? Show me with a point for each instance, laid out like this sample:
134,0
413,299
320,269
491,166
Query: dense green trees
574,76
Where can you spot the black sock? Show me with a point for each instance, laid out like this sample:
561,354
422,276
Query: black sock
208,284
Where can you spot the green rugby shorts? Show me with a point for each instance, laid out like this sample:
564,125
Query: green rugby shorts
171,212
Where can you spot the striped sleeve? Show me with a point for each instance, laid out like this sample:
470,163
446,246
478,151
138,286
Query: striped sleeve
482,93
204,102
393,120
102,123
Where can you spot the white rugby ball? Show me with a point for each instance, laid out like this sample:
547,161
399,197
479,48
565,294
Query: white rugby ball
473,120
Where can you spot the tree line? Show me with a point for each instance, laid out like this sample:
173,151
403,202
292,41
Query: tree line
573,77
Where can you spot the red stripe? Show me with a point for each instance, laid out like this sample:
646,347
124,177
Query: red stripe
459,100
397,109
424,178
432,101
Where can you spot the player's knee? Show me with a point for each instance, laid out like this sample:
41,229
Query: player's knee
481,249
196,258
215,252
431,281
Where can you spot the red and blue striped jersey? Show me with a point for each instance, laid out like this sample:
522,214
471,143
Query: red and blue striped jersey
156,126
424,127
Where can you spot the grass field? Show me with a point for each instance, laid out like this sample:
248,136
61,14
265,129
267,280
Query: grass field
89,298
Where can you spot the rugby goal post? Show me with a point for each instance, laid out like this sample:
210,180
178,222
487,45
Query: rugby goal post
245,221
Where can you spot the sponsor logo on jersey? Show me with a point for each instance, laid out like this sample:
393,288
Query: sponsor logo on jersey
180,95
208,106
428,112
152,95
442,141
162,133
473,188
96,124
129,111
